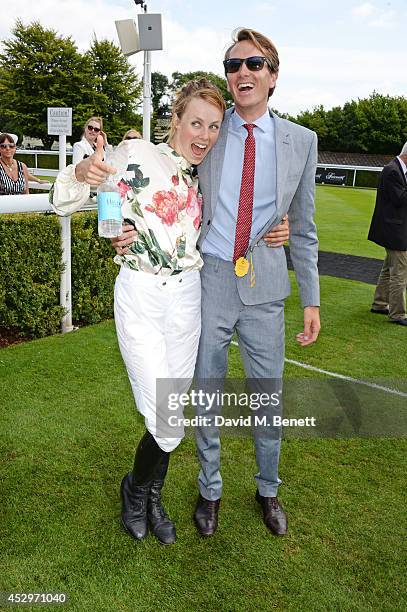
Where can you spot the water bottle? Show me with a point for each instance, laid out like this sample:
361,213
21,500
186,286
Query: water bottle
109,209
109,200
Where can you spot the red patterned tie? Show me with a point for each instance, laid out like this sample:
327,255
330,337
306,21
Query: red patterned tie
244,215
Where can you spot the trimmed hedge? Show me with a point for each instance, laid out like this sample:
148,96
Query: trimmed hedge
30,267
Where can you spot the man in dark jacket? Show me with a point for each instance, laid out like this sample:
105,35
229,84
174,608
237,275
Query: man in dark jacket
389,229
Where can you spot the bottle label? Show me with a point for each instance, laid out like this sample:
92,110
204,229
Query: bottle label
109,206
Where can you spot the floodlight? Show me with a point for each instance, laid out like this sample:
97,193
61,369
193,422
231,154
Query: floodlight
128,36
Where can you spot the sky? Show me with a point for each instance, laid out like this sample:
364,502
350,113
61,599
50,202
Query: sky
330,53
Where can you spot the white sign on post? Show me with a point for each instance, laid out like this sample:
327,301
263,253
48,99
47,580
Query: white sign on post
60,124
59,121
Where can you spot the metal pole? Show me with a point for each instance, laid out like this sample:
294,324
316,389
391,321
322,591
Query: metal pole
147,95
146,92
65,297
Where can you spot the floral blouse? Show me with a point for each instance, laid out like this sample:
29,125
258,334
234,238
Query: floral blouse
160,198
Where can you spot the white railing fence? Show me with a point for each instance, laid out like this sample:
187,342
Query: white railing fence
354,169
35,168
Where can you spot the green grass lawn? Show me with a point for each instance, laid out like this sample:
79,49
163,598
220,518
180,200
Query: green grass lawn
69,430
343,219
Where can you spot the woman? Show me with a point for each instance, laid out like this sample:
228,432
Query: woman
13,173
131,135
87,145
157,292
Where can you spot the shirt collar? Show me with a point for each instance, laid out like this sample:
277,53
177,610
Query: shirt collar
86,142
264,123
403,165
180,161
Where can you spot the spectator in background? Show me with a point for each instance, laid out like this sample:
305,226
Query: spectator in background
31,177
131,135
87,145
389,230
13,173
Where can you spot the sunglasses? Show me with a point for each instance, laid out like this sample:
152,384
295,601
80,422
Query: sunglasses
254,63
131,138
7,146
92,128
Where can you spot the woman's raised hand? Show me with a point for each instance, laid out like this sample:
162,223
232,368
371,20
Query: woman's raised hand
93,169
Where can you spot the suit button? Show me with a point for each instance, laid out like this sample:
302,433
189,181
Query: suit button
209,221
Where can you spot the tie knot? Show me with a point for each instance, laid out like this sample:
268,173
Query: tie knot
249,127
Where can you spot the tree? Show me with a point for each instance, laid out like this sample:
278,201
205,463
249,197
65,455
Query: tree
314,120
377,124
334,127
402,112
115,88
380,119
9,126
179,79
159,89
39,69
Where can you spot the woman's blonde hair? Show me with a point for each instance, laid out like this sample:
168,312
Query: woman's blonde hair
98,119
131,130
202,89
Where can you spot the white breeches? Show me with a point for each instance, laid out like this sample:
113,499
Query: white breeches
158,324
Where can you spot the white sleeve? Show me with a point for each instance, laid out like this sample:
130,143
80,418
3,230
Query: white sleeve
77,153
108,150
68,195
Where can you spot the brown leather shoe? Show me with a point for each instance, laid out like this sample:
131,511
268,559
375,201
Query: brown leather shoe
206,516
274,516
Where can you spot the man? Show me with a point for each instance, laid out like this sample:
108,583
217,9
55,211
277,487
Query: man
389,229
261,168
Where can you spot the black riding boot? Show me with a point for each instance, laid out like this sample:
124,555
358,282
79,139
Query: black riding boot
135,487
159,522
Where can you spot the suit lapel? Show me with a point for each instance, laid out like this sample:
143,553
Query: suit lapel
283,159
